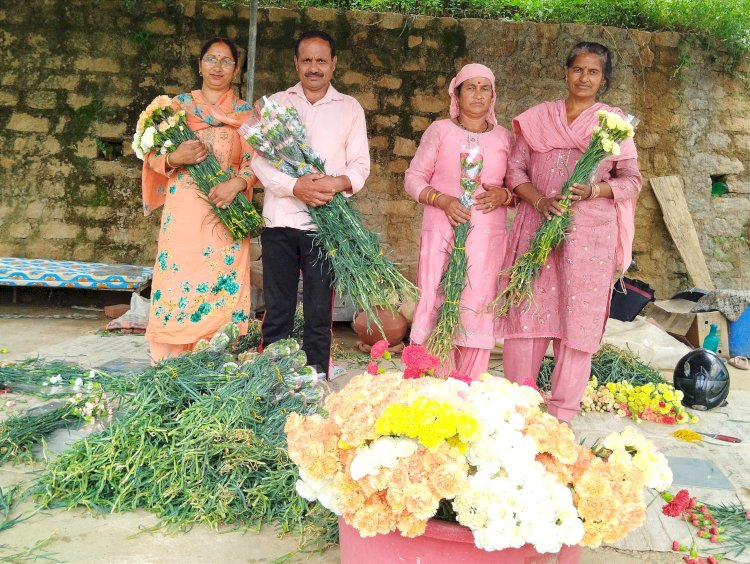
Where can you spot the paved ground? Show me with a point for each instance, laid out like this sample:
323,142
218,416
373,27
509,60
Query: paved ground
78,536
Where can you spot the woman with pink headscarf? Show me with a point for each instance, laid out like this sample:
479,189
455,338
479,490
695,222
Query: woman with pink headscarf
433,180
574,288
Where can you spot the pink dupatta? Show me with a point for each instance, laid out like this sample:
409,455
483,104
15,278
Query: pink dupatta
545,127
472,70
228,110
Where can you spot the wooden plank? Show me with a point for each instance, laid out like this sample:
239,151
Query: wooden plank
670,193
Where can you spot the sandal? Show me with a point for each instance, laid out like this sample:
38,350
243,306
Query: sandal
739,362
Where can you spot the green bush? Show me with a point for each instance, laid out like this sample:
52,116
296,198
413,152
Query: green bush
726,20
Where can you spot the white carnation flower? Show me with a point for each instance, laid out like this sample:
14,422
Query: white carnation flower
304,490
147,139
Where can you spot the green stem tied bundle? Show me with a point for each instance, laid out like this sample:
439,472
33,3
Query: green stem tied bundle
520,277
240,218
453,281
361,270
19,433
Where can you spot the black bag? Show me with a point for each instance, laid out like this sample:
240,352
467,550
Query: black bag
629,297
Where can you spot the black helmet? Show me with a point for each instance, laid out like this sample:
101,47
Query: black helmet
702,378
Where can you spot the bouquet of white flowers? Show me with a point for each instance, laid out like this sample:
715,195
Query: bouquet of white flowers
161,129
361,269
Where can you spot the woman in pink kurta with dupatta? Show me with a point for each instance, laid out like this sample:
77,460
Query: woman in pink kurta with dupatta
433,180
574,289
201,276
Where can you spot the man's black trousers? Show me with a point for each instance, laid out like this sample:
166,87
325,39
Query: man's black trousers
288,252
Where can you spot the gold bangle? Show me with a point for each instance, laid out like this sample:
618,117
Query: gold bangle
166,161
508,197
437,199
430,197
435,195
536,204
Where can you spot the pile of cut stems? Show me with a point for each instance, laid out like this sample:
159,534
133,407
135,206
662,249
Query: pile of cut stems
609,364
199,443
20,433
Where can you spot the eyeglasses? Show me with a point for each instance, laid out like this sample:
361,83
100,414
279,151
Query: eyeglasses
225,62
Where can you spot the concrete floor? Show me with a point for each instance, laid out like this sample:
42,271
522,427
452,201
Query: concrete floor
79,536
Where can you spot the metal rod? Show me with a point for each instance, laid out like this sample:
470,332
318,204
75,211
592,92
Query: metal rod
251,42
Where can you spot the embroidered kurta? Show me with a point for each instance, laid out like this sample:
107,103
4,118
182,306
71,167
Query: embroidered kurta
201,276
336,129
436,163
573,291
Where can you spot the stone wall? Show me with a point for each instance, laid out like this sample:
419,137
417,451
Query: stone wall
77,73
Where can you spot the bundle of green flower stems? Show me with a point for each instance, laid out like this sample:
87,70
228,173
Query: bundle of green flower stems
609,364
48,380
199,439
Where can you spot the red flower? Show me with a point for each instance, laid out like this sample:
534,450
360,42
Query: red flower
372,368
677,547
410,353
678,505
463,377
412,372
712,560
378,349
417,358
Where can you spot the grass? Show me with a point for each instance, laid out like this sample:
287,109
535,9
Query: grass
726,20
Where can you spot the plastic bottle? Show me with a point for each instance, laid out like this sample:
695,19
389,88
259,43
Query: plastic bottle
711,342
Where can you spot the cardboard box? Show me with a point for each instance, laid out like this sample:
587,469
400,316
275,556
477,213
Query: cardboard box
676,319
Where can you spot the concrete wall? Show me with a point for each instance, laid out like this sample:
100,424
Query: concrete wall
76,74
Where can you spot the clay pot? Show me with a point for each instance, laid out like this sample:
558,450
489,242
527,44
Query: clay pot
394,326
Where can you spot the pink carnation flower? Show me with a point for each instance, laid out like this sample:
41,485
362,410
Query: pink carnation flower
378,349
412,372
677,505
417,358
411,353
372,368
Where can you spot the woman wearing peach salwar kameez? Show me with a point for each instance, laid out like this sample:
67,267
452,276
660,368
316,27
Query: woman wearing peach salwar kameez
201,276
433,179
573,290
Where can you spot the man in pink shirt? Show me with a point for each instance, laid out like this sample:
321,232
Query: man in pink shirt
336,129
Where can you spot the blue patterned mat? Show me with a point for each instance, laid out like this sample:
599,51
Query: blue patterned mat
73,274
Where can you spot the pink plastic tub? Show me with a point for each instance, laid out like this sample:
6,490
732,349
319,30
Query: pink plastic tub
442,543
